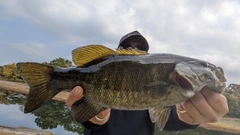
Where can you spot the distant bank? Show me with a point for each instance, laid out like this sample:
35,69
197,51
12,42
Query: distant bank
22,131
23,88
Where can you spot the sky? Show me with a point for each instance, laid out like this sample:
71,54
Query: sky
40,31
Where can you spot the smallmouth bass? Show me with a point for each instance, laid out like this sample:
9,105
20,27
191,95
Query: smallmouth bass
122,79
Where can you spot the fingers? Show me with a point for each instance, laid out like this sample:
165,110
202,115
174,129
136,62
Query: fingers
204,110
185,117
216,100
206,106
74,95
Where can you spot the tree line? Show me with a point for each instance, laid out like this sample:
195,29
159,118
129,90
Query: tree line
232,92
9,71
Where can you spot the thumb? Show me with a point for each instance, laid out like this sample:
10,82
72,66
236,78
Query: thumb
74,96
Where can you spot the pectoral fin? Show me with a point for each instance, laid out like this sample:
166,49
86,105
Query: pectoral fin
160,115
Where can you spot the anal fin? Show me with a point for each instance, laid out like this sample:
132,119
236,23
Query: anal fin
84,110
160,115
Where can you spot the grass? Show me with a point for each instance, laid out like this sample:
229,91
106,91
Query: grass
225,124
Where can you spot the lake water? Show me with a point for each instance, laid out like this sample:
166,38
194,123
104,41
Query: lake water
53,117
57,118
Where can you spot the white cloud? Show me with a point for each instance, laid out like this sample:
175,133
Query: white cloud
204,29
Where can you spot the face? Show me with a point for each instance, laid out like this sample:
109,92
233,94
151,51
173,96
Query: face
133,44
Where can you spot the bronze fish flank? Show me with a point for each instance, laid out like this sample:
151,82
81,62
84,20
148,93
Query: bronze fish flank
122,79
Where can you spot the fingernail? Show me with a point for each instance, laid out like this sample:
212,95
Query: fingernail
76,91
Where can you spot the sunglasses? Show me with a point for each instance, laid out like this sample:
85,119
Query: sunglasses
129,46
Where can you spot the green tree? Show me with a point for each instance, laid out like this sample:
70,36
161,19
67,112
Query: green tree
232,94
55,113
60,62
10,71
10,97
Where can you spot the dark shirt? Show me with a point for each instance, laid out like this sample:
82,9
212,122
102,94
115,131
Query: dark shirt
133,123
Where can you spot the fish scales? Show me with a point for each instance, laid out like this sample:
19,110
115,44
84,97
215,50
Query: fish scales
110,88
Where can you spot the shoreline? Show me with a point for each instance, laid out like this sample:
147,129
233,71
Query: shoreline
4,130
23,88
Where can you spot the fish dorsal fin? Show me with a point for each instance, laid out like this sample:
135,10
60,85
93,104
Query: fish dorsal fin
130,52
86,54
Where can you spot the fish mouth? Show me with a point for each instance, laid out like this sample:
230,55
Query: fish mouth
182,82
192,76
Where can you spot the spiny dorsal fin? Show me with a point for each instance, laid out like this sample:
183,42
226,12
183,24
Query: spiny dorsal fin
130,52
86,54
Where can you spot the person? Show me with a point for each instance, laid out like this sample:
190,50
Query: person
206,106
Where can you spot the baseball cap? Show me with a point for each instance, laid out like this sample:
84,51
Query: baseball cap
137,36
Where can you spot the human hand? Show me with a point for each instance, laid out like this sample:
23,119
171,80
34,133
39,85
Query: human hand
76,94
205,106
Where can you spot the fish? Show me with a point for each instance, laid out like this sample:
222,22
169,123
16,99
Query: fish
123,79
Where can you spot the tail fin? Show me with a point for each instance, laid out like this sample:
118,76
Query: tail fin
38,77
